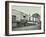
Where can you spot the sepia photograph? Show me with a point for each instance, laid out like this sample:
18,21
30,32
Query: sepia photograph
25,18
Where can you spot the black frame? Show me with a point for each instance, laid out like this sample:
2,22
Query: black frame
7,17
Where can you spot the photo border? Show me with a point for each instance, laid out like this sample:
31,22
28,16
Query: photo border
7,17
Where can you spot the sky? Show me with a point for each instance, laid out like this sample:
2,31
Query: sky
28,9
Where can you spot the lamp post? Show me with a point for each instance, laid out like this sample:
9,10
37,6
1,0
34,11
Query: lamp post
29,16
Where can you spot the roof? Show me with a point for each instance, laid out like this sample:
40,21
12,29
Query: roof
36,15
19,12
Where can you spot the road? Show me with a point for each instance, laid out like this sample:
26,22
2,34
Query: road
34,27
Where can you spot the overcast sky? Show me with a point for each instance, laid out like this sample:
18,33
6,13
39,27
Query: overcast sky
28,9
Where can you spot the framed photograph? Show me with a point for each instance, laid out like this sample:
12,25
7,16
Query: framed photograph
24,18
